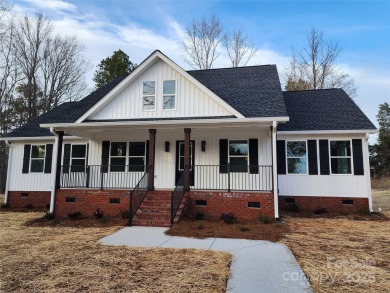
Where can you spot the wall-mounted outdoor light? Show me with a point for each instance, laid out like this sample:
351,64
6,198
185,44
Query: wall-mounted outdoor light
167,146
203,146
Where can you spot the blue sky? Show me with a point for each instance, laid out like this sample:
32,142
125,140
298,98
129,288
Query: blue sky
362,28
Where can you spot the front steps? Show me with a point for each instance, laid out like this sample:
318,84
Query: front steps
155,210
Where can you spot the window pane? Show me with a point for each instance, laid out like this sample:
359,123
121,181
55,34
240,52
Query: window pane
137,161
296,149
181,163
118,149
169,87
340,148
149,88
169,102
238,147
78,151
37,165
296,165
341,165
239,164
78,165
118,164
148,103
38,151
137,148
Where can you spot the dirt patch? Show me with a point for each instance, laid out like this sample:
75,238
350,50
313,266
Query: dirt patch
69,259
244,230
382,183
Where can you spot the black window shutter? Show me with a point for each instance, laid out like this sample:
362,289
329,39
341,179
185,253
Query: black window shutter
324,157
48,158
66,160
312,155
26,158
357,148
223,155
281,156
253,156
105,155
147,153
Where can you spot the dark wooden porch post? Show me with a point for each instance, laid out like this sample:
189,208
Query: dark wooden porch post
152,146
187,161
59,157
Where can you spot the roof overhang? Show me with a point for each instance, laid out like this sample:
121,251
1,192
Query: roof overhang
35,138
311,132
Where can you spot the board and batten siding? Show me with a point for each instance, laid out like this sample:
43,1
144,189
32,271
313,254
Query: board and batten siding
340,185
165,161
191,101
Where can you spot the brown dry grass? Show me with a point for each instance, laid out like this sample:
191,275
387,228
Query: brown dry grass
244,229
382,183
69,259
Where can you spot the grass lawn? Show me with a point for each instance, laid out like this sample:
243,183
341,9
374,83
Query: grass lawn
68,259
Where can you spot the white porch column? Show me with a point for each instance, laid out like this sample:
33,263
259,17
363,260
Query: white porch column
367,171
274,170
9,145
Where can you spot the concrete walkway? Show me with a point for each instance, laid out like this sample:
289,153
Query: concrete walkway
258,266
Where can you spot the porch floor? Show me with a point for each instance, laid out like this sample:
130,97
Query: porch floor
258,266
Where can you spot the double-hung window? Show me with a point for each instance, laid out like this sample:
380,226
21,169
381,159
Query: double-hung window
137,156
78,157
149,95
238,155
296,157
169,94
340,156
118,156
37,158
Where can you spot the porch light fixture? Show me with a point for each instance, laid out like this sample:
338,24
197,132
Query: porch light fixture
203,146
167,146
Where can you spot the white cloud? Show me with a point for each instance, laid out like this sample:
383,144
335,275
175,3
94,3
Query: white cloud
52,4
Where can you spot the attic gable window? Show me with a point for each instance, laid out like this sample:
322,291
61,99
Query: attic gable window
169,94
340,156
37,158
149,95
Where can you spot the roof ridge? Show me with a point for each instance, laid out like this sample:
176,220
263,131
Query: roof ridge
313,90
237,67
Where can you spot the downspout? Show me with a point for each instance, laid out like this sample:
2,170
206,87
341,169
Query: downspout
8,144
368,173
275,171
53,170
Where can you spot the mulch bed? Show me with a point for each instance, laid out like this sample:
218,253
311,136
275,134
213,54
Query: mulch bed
243,230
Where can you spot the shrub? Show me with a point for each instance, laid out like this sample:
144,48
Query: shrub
243,228
363,211
265,219
125,214
320,210
200,227
74,215
49,216
199,216
292,207
29,206
4,205
228,218
98,214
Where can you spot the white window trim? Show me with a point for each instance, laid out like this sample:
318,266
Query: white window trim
118,157
307,157
44,158
163,95
71,158
154,96
330,157
130,156
239,156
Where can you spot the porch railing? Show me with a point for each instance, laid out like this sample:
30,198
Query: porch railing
232,177
137,195
101,176
177,195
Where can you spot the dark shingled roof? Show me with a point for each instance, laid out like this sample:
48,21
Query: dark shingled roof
64,113
254,91
329,109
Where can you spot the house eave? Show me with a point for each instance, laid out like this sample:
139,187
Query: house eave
312,132
35,138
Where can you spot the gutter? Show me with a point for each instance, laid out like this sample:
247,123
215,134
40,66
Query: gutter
53,170
8,144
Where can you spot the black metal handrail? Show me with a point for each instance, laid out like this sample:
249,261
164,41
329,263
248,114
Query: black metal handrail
101,176
137,195
177,195
233,177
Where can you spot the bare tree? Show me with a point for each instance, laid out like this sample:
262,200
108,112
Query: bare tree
203,38
239,47
316,66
